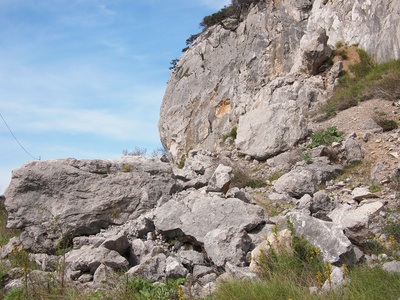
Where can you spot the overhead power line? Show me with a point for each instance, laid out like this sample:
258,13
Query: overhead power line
9,129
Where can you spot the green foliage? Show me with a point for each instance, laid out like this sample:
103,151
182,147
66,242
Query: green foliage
173,63
371,283
255,183
392,223
272,207
15,294
182,161
142,289
5,233
307,158
192,38
375,188
235,10
339,44
343,53
231,135
375,245
326,137
387,124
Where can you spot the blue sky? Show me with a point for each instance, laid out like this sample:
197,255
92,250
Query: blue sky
85,78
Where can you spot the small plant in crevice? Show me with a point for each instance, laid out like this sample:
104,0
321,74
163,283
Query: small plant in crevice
126,168
339,44
231,135
307,158
182,161
275,176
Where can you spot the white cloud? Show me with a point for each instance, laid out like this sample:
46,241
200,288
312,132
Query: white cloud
216,4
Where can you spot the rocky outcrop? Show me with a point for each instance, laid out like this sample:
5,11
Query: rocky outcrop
69,197
267,72
204,216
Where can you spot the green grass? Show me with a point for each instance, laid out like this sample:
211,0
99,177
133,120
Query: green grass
289,273
366,80
5,233
365,283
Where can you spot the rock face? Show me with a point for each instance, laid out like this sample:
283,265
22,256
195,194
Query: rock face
254,76
79,197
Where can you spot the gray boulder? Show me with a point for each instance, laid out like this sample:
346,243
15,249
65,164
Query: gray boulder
392,266
296,183
355,222
227,245
371,126
200,271
304,178
335,247
338,280
88,259
191,259
102,276
353,150
67,197
220,180
153,269
195,216
321,205
118,243
48,263
174,269
315,50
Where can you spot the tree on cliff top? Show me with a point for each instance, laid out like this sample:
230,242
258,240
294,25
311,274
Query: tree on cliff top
234,10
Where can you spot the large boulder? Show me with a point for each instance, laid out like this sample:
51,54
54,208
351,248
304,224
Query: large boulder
195,216
356,221
88,259
220,180
227,245
305,178
335,247
66,197
315,50
268,131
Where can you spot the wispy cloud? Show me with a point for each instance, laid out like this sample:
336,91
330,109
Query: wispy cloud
216,4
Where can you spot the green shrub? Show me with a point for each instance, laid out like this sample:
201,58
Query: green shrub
182,161
307,158
387,124
231,135
126,168
255,183
326,137
339,44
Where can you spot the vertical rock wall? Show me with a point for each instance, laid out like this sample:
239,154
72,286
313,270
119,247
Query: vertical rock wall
225,74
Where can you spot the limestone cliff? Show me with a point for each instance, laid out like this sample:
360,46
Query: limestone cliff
268,71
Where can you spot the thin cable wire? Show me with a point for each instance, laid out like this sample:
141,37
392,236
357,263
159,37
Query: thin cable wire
9,129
